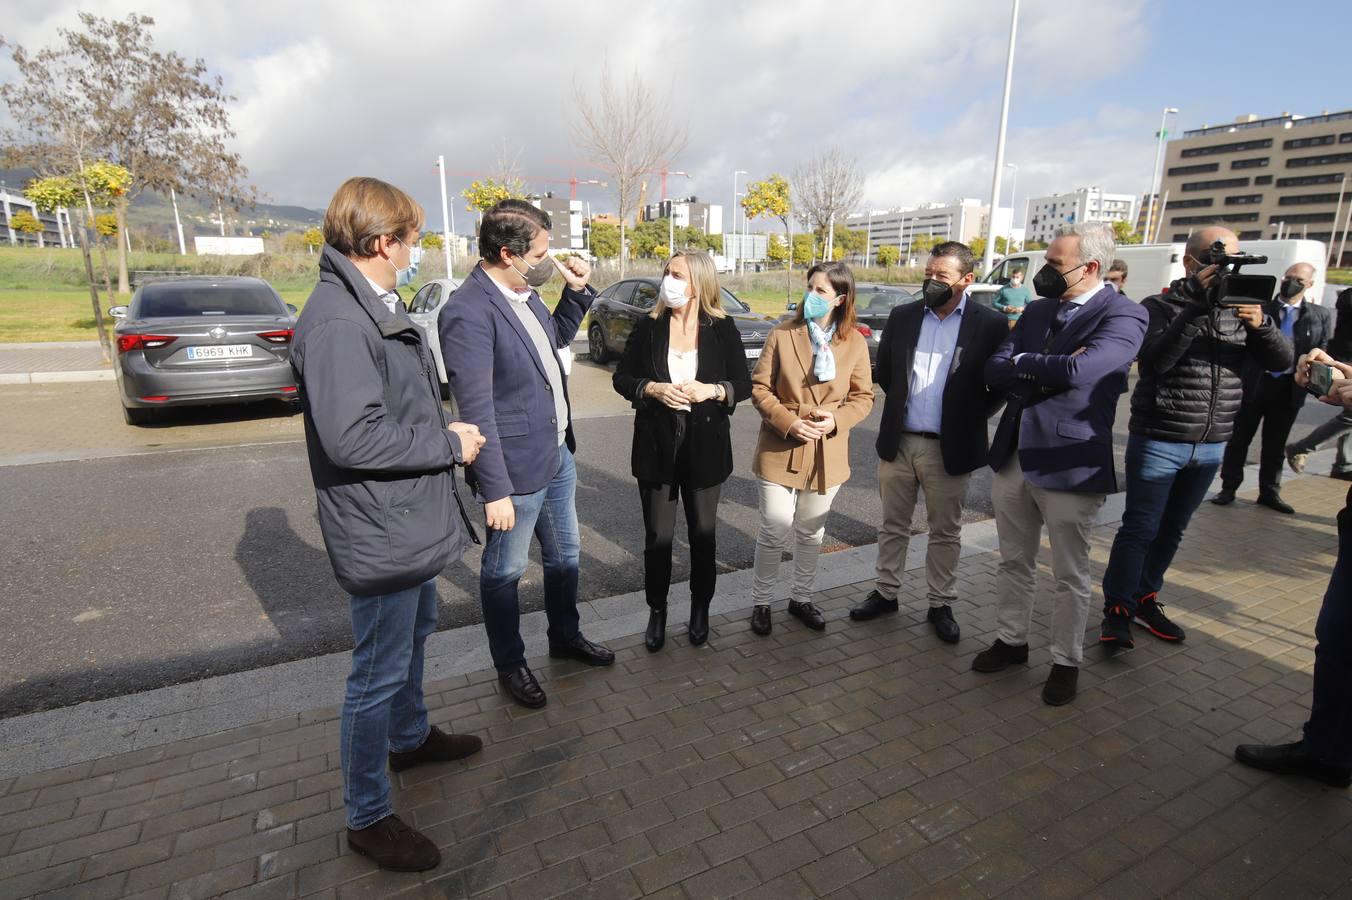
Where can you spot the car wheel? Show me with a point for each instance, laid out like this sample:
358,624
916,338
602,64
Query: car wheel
596,345
134,415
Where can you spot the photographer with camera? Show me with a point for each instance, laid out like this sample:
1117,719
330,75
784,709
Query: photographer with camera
1325,751
1273,399
1202,334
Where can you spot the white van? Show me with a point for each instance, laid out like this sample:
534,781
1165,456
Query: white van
1153,267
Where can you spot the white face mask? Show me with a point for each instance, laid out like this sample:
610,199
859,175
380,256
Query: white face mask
673,292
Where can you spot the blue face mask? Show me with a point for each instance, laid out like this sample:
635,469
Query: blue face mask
404,277
815,305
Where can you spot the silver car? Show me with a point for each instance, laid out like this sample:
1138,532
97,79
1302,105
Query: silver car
202,340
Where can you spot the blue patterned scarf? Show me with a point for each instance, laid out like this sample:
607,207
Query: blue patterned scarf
823,360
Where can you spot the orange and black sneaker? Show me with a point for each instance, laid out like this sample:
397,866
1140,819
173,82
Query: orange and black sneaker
1116,628
1150,614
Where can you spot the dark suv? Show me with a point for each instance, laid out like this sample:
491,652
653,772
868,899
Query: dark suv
616,310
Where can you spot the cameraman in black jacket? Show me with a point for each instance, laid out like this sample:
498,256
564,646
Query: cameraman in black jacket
1183,409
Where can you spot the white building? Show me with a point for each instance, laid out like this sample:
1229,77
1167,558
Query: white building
56,230
962,221
1044,215
688,212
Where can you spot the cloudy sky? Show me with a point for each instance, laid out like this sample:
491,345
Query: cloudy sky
912,90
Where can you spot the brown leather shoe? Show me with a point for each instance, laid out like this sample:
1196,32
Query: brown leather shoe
439,747
393,845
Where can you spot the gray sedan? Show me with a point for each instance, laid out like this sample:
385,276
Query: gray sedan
202,340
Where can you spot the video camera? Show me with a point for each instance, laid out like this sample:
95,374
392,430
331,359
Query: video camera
1232,288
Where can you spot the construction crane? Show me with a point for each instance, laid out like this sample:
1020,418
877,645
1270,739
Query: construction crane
571,182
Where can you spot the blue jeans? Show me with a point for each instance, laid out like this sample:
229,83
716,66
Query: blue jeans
1166,481
551,515
384,708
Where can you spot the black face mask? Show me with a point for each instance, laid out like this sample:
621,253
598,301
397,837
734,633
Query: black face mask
1292,288
1050,283
936,293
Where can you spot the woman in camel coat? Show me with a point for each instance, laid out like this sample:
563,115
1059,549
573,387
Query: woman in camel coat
811,386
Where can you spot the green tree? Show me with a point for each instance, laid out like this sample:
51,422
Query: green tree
804,249
772,197
27,223
106,225
105,91
432,241
888,256
64,192
313,239
851,240
1124,233
605,241
922,244
777,249
1034,245
481,196
662,251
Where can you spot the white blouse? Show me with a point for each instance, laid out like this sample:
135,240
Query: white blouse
683,367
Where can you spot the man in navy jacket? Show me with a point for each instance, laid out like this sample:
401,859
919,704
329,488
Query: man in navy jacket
1063,369
501,347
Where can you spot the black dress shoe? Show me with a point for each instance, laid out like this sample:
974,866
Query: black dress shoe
393,845
1273,500
941,617
760,619
438,747
1061,685
808,614
698,630
582,650
872,606
1292,759
656,635
999,656
1224,497
521,684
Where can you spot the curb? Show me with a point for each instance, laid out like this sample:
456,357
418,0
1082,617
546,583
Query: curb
58,377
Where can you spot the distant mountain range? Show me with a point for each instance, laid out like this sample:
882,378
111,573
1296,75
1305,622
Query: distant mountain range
153,211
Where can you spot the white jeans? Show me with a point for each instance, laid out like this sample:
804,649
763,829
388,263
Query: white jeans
1021,509
784,510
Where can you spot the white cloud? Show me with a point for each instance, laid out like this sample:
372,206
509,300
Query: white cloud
328,90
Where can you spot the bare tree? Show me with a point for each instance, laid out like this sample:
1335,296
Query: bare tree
826,188
627,130
157,114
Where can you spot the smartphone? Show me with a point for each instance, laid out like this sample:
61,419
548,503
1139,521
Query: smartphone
1321,379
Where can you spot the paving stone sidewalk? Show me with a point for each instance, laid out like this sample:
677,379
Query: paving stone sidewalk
868,761
53,361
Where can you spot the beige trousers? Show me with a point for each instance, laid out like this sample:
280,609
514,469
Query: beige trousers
786,512
1021,509
920,464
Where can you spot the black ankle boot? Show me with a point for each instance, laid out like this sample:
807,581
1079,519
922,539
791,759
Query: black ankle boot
699,622
656,635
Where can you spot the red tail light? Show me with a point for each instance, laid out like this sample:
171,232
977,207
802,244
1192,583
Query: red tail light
160,398
289,390
129,342
865,331
277,337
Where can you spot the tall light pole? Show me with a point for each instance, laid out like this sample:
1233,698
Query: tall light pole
868,238
178,224
1013,186
1337,214
989,257
735,246
445,215
1153,194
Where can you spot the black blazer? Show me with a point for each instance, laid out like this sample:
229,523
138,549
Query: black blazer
1313,328
967,402
722,360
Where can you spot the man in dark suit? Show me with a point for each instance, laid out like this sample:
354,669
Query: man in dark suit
1271,397
931,363
501,346
1063,368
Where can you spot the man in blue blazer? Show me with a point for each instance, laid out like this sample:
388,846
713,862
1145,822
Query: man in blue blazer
1063,368
501,347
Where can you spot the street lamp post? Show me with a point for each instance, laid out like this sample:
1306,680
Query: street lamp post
1337,214
868,238
1013,186
445,215
1153,194
989,257
735,247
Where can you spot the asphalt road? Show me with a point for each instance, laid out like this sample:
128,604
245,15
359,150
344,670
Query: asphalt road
140,558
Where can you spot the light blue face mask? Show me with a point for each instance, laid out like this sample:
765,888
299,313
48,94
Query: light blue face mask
815,305
404,277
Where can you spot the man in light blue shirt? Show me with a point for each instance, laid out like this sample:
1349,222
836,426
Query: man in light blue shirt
931,361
